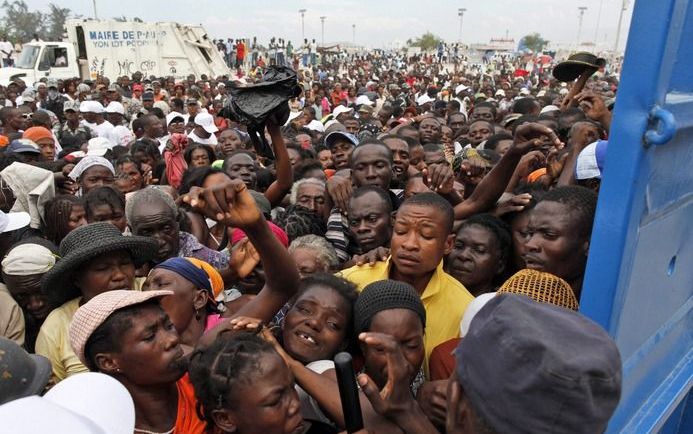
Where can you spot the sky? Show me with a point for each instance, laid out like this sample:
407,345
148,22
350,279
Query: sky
378,23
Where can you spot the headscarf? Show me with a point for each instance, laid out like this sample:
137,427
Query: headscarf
279,233
28,259
32,186
87,162
199,273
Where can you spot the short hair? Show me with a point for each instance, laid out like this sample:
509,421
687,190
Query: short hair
432,147
487,105
371,141
304,167
490,124
225,164
455,104
146,147
195,177
104,195
293,196
323,250
492,141
411,142
524,105
361,191
127,158
433,201
582,203
148,195
187,154
297,221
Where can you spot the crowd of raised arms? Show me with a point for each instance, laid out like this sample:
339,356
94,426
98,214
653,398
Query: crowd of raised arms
429,216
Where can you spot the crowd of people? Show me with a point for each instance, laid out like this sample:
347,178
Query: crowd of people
162,276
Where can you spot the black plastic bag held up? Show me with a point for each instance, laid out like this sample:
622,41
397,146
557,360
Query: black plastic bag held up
253,104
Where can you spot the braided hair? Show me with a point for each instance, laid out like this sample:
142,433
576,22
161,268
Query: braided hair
57,216
298,221
216,370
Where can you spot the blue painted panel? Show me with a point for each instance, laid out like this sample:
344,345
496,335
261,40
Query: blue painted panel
639,279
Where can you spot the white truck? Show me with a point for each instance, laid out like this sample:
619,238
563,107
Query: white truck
112,49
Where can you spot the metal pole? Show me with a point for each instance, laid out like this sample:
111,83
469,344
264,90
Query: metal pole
620,20
599,18
322,21
460,13
582,10
353,34
96,17
303,27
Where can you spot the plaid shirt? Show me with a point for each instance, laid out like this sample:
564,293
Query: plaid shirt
190,247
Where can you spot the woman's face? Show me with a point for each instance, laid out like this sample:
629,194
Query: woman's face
519,235
186,300
26,290
199,158
266,403
325,158
475,259
129,172
106,272
105,213
77,218
150,352
95,176
316,326
406,329
307,262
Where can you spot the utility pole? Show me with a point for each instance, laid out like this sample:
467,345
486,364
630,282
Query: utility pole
460,13
303,27
353,34
322,22
581,10
596,29
96,17
624,7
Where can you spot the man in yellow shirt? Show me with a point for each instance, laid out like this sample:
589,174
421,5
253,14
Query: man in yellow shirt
422,236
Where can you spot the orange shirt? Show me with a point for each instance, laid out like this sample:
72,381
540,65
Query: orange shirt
187,420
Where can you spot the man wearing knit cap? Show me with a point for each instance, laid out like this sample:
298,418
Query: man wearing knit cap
45,141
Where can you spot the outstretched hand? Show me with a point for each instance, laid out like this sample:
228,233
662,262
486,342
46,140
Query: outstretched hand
228,203
528,137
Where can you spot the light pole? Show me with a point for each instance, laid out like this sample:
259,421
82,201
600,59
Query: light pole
599,18
303,27
322,22
624,6
96,17
353,34
581,10
460,13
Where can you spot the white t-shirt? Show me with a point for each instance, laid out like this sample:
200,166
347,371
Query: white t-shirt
104,129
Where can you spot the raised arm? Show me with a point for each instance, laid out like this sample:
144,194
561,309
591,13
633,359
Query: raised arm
285,176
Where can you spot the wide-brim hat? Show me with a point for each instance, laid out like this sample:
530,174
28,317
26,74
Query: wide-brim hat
85,243
576,64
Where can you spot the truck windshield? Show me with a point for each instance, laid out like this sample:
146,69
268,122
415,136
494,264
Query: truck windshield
27,58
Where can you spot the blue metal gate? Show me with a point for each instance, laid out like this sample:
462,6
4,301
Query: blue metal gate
639,280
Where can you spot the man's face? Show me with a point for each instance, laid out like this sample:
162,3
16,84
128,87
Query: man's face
435,157
154,128
429,131
20,119
553,244
352,126
478,132
341,151
243,167
370,223
371,165
47,147
482,113
313,196
148,104
400,158
156,220
420,240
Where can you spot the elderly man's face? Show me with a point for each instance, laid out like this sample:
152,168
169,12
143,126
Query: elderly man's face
156,219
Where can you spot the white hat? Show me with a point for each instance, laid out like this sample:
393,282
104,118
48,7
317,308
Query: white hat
13,220
472,309
524,91
292,116
98,146
363,99
115,107
98,397
549,108
87,162
461,88
89,106
88,403
541,93
500,92
563,91
173,115
341,109
424,99
206,121
28,259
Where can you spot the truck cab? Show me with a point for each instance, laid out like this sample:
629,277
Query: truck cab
42,59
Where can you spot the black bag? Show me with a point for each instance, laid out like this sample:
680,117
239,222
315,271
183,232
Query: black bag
252,105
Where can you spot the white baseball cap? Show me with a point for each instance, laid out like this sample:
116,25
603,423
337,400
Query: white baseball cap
472,309
13,220
89,106
549,108
364,100
424,99
98,146
115,107
206,121
341,109
173,115
461,88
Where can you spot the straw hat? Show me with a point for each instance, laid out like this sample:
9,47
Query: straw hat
541,287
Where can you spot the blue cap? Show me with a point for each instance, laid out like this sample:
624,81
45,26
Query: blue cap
334,136
19,146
